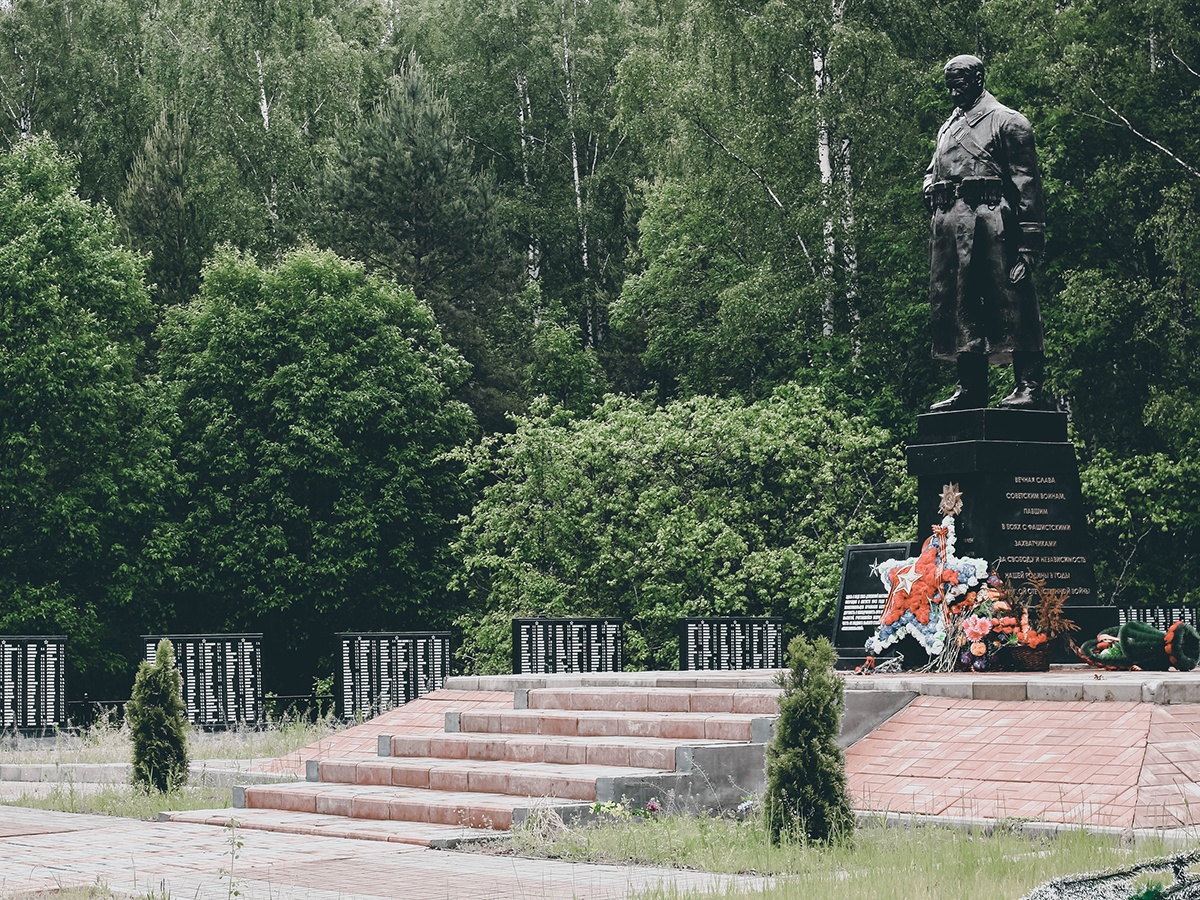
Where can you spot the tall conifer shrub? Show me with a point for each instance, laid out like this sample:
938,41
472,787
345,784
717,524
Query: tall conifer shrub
806,769
158,723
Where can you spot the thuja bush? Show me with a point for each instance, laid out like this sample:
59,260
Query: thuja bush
806,770
158,724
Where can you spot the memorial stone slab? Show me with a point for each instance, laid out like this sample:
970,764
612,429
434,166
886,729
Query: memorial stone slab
731,643
221,675
383,670
33,693
544,646
862,596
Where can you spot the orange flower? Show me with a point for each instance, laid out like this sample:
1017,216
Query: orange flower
979,648
1031,638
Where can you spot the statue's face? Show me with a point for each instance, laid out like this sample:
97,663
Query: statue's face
965,87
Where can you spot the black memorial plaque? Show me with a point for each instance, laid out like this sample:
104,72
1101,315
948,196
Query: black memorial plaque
1160,617
862,596
221,675
546,646
383,670
1022,509
33,693
729,644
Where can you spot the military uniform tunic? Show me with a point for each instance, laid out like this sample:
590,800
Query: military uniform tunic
987,206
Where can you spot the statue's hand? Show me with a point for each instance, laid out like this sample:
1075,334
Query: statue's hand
1024,266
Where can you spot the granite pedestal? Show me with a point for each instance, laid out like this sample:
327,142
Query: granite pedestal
1022,509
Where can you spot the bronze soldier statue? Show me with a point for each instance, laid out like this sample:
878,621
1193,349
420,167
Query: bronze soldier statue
984,192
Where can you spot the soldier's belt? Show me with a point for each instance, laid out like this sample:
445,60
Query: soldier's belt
972,191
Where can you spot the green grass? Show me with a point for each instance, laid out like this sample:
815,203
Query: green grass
111,744
124,800
97,891
879,864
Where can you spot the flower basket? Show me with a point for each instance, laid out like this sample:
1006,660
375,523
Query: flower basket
1031,659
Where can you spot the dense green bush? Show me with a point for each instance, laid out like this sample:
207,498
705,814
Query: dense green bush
704,507
157,723
806,769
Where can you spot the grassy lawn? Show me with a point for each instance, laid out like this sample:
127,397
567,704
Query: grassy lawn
879,864
118,799
108,744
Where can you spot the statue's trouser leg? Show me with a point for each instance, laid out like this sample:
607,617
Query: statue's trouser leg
972,390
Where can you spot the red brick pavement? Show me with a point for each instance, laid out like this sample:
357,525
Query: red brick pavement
1124,765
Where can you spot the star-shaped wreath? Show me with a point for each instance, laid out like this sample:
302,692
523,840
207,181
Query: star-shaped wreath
922,588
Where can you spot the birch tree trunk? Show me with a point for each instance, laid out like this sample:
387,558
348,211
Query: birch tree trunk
533,264
571,97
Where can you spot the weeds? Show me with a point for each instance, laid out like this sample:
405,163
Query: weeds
128,801
235,849
109,742
882,864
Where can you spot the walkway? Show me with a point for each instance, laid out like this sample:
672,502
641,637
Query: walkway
46,851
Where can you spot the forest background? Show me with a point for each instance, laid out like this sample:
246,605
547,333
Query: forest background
375,314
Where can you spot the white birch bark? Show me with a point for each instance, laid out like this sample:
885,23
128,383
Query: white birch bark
533,267
570,96
271,195
838,208
825,165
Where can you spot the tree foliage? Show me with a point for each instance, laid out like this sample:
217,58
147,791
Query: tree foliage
315,414
84,471
701,507
158,723
697,201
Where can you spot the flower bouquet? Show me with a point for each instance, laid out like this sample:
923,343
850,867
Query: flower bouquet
991,630
964,617
1032,651
985,628
923,590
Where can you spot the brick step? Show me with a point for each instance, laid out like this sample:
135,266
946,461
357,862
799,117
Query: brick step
397,804
475,776
422,834
674,700
637,752
585,723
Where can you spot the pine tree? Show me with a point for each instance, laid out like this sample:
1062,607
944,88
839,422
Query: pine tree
806,770
159,213
158,724
408,201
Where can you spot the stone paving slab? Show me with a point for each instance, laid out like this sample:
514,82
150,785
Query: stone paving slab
423,834
203,771
1059,685
1114,764
47,851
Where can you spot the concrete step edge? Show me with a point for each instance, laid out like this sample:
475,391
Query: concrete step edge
457,809
320,769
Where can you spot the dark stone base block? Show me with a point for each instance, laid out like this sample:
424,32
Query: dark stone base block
1022,509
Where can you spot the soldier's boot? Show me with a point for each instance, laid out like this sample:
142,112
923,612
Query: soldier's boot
972,390
1028,374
